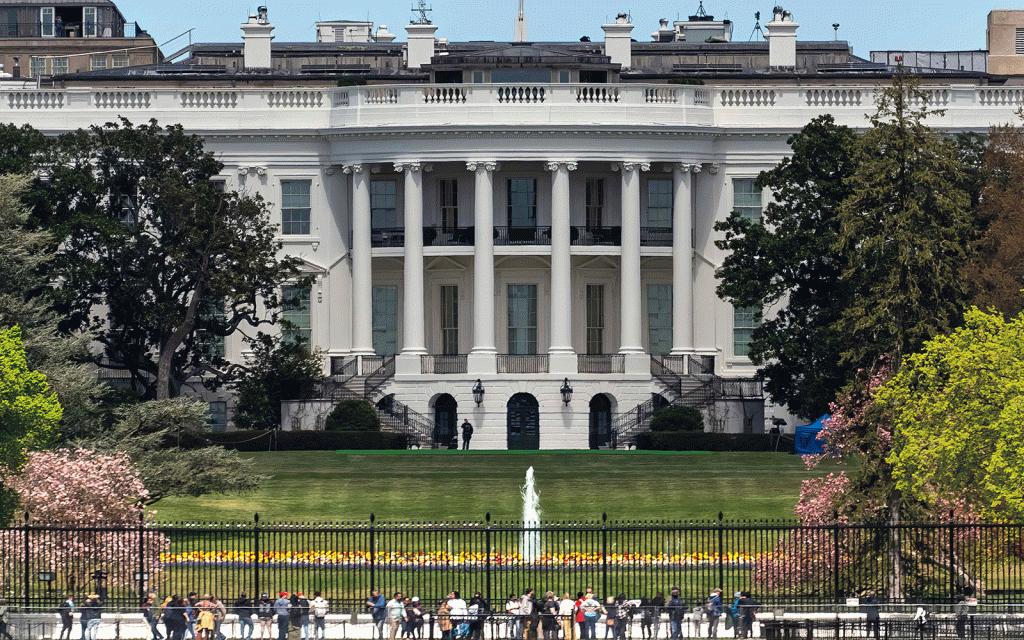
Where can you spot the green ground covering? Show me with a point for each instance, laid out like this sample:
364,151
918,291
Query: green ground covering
456,486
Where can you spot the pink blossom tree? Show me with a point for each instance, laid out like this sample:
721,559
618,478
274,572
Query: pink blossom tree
84,513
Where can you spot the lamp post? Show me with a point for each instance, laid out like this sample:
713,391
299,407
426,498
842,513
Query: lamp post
566,392
478,392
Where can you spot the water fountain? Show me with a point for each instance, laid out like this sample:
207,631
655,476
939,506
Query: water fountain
530,548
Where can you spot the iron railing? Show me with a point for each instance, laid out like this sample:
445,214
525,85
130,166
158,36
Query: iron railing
439,364
522,235
590,236
656,236
511,363
77,30
449,236
387,237
601,363
783,563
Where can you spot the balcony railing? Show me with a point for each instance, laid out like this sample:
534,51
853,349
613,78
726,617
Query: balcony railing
449,236
509,363
387,237
656,236
600,236
69,30
601,363
522,235
440,364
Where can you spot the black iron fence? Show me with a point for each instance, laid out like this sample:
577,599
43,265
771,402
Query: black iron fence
783,564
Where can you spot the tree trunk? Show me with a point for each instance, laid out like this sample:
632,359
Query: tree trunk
895,585
163,376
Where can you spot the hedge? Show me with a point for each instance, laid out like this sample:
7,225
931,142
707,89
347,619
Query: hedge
689,441
299,440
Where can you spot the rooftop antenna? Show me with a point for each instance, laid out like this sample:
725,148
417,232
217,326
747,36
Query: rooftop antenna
701,13
835,26
520,26
422,10
757,26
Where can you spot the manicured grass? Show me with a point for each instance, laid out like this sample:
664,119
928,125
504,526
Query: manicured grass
452,486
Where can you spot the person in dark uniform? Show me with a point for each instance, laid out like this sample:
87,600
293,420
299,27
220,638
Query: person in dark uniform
467,434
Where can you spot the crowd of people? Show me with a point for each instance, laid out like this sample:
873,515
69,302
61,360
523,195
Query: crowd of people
532,617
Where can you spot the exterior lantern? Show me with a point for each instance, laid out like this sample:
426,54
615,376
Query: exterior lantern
478,392
566,392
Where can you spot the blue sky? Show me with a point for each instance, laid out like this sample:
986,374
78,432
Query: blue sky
868,26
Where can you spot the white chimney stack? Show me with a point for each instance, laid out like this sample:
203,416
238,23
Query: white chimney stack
618,44
383,35
782,40
256,37
421,44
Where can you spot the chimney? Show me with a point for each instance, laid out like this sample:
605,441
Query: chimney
382,34
664,33
618,45
256,37
782,40
421,44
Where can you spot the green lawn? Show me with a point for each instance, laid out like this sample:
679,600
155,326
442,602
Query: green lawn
452,485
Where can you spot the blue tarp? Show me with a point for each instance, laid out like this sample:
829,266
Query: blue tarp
807,437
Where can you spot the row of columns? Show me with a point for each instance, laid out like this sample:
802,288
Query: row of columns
561,352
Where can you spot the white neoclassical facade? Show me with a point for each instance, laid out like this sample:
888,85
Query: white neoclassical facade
509,232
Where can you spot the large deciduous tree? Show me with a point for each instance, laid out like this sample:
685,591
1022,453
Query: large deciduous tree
277,370
789,258
156,260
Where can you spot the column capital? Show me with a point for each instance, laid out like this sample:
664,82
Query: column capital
685,167
409,165
329,169
352,168
631,165
486,165
713,168
553,165
695,168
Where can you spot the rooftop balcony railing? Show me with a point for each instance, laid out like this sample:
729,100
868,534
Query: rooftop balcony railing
69,30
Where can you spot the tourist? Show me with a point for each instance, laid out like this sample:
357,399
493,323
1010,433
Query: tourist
459,611
91,614
444,619
191,613
747,608
67,617
416,613
623,616
220,611
265,614
243,609
377,603
567,616
476,623
869,607
174,618
281,606
407,618
318,609
530,613
676,612
549,616
395,612
467,434
296,614
657,605
515,623
304,615
611,612
205,618
592,610
713,611
150,617
732,615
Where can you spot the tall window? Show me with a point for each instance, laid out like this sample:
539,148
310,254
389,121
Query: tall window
295,207
522,202
384,204
595,202
208,342
1019,42
595,318
297,315
385,320
449,320
746,198
89,22
46,21
659,319
744,321
37,66
659,202
10,26
522,319
449,204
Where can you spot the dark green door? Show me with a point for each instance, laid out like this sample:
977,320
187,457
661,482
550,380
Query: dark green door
523,422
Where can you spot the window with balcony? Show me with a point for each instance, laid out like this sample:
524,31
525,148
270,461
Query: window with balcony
295,209
522,319
522,202
746,198
384,204
595,319
89,22
744,321
296,315
46,24
449,198
385,320
594,202
659,203
449,320
659,319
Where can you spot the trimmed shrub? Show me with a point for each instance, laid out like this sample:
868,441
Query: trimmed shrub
677,419
700,441
353,415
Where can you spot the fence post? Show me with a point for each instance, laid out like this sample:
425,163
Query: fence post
604,556
721,550
835,554
487,550
952,564
373,555
256,553
142,554
28,572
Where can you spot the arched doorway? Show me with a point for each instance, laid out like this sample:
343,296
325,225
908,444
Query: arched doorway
523,422
445,420
600,421
660,402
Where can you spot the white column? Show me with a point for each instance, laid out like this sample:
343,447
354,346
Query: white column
362,273
631,295
562,358
482,358
413,340
682,260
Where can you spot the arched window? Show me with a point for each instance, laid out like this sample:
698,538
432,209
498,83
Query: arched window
523,422
600,421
